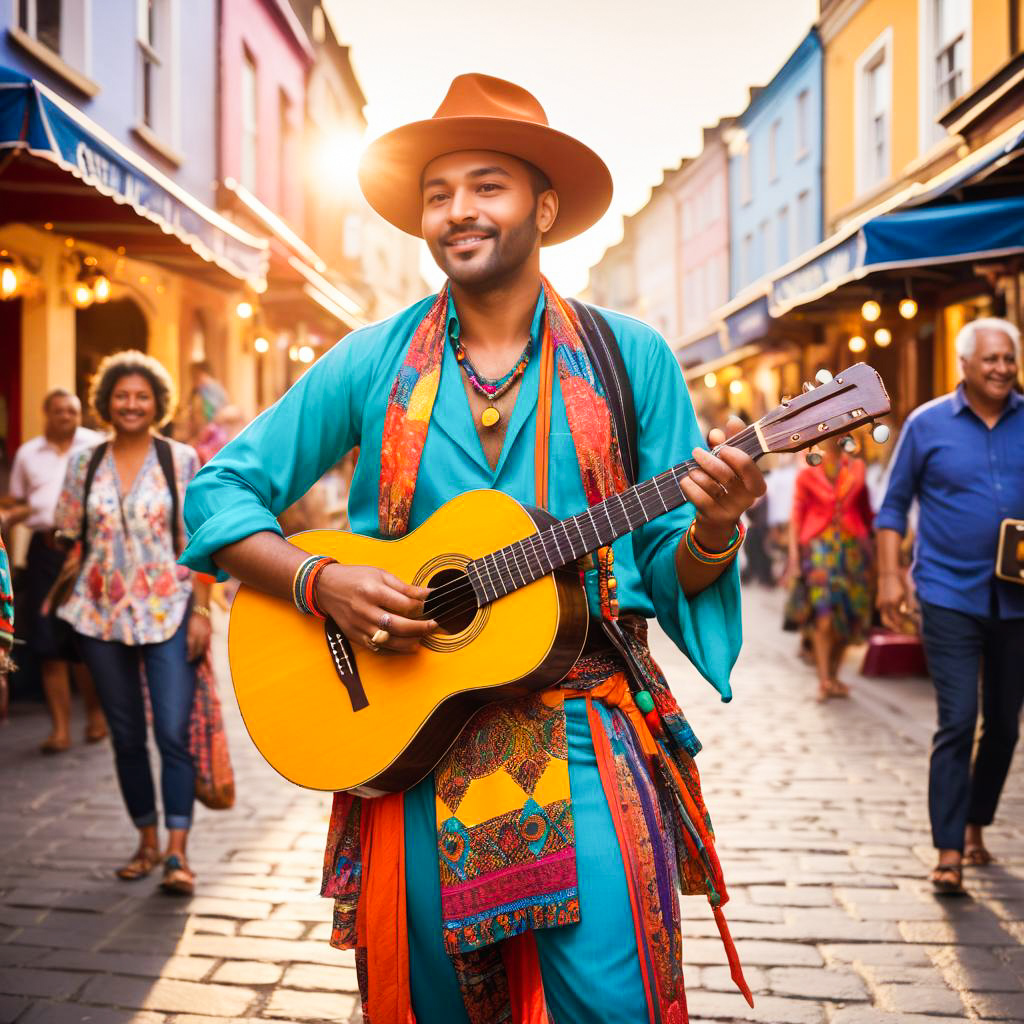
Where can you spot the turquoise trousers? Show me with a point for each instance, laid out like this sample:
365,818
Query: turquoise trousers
591,970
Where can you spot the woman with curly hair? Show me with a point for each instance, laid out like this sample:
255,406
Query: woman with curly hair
133,606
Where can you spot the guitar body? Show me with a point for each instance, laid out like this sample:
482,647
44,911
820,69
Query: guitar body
331,715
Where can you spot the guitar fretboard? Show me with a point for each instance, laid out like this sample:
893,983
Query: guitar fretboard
519,564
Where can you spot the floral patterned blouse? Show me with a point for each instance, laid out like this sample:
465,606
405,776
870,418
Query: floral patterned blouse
131,589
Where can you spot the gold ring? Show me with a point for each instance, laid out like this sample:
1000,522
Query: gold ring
381,636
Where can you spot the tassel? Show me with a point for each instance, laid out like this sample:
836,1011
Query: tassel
735,967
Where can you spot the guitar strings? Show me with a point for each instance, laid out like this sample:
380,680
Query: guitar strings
459,595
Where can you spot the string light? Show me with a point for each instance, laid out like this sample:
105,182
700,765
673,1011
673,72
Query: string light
261,345
710,380
81,295
736,386
306,354
101,288
293,353
8,276
883,336
244,310
857,344
908,309
871,311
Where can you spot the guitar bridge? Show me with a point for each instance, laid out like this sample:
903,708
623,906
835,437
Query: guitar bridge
345,664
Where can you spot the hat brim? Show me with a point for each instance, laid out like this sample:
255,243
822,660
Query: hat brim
392,166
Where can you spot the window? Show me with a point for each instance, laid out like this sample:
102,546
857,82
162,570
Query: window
59,25
250,131
768,250
804,228
945,67
746,259
746,177
773,150
156,67
783,235
687,220
716,202
803,123
284,148
874,103
951,20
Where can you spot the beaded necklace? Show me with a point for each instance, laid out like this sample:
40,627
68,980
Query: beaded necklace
491,388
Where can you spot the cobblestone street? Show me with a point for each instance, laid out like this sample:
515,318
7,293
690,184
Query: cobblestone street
822,827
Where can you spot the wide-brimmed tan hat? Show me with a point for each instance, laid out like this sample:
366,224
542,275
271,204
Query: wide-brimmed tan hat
481,112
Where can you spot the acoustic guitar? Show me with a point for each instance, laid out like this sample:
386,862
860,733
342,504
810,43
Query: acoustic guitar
509,599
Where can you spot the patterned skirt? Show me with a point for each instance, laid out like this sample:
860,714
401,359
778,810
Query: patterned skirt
835,583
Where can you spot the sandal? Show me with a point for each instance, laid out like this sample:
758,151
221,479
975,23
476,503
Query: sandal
52,746
179,879
977,857
947,880
838,689
146,858
96,733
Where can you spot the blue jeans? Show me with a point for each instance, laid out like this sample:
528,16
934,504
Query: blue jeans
171,681
959,649
590,970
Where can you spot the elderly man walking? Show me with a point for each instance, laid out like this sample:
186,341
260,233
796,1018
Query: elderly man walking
36,479
962,457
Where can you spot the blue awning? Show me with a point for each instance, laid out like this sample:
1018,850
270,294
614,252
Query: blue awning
906,233
54,139
700,350
748,324
941,234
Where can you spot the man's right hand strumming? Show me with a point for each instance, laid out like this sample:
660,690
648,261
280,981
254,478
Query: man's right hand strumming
364,602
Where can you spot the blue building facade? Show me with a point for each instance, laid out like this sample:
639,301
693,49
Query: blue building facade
775,169
150,83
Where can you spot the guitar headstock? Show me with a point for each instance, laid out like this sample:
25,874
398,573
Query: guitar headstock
849,400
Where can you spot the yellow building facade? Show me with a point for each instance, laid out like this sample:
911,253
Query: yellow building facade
906,40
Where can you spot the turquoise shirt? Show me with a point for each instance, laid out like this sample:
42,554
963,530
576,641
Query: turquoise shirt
341,401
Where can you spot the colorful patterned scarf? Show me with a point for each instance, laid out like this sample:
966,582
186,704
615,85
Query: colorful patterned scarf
506,838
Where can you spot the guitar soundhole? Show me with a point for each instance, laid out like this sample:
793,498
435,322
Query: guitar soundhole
453,603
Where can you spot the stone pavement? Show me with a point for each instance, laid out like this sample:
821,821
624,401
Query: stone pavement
820,813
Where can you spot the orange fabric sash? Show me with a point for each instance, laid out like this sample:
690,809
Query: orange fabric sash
380,920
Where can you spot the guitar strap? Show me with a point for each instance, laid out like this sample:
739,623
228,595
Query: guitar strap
606,356
166,460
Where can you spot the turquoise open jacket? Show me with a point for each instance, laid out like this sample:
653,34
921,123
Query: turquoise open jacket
341,401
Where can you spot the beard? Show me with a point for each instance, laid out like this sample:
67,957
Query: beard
483,271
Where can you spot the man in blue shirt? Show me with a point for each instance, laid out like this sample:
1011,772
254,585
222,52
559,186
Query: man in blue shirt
962,458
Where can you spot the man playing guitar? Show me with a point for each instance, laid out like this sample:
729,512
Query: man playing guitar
534,874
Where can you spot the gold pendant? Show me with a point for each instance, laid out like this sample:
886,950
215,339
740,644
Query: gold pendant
490,416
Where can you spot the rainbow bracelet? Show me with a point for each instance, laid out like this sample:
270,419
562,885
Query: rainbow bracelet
714,557
304,584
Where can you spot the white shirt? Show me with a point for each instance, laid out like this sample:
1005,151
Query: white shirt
38,474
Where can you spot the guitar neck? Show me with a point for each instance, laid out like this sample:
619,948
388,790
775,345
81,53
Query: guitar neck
568,540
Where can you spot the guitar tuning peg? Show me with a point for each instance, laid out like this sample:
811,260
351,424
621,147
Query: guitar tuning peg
813,457
823,376
880,433
848,444
808,386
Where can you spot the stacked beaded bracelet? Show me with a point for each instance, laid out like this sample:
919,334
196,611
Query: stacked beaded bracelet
304,584
713,557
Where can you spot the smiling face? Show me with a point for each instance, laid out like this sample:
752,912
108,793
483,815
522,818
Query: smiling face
63,416
132,404
484,215
991,369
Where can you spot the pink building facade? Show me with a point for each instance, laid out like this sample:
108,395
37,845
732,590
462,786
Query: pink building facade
702,204
264,59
